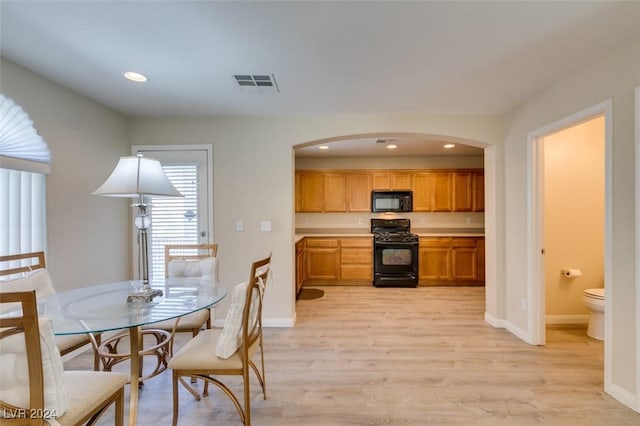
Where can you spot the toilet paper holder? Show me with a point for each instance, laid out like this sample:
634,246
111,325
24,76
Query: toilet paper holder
571,273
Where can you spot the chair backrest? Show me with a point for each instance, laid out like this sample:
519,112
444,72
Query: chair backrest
27,324
34,260
252,314
187,252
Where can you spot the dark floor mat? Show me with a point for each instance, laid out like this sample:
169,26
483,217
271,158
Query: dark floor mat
310,293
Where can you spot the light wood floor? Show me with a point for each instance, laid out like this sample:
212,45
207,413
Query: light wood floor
418,356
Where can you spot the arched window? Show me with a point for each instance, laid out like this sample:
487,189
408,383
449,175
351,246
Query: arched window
25,161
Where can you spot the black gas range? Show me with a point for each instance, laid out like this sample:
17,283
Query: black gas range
395,253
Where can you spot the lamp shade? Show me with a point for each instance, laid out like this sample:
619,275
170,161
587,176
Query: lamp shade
135,176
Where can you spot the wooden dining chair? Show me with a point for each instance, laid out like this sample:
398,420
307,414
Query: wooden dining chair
45,391
213,353
28,272
192,260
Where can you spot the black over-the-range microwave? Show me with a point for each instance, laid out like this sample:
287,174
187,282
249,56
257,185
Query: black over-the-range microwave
391,201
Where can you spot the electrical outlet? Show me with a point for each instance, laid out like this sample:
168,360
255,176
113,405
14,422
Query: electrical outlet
360,221
239,226
265,226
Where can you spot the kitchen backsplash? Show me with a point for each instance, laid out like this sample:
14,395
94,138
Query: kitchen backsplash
418,220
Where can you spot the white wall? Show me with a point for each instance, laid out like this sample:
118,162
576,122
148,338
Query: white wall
88,240
254,180
613,77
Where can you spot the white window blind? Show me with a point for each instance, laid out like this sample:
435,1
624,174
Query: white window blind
23,224
174,220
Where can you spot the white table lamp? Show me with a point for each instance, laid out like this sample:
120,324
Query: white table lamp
139,177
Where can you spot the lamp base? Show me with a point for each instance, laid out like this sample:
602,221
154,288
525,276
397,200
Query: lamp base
146,295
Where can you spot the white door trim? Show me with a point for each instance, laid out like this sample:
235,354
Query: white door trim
637,147
535,263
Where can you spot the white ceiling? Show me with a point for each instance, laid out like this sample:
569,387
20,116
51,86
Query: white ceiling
337,58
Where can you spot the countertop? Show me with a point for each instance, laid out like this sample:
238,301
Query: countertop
363,232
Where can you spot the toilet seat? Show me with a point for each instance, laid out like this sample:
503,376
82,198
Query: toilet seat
595,293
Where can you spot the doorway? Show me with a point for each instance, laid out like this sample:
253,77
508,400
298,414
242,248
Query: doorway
541,264
186,220
573,169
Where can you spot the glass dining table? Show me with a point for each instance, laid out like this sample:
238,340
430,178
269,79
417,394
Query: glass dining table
103,308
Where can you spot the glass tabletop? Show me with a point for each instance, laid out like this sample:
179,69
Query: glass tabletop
104,307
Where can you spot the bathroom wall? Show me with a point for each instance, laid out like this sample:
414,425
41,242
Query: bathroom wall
574,218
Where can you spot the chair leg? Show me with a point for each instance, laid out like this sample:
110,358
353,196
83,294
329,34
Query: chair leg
119,408
247,398
175,398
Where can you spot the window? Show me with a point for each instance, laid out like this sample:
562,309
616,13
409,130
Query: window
174,220
24,164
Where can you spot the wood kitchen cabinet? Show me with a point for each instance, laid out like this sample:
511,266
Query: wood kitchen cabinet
335,192
394,180
432,191
442,187
451,261
468,191
309,192
422,192
359,192
356,259
300,264
460,190
478,191
434,258
322,258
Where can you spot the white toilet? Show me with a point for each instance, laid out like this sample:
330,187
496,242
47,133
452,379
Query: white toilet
594,300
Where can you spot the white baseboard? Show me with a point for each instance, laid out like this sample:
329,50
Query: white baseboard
518,332
495,322
623,396
566,319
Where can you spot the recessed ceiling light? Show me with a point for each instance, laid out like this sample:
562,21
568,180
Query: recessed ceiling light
449,146
135,76
323,147
392,146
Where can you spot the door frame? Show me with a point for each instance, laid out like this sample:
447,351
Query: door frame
535,303
208,148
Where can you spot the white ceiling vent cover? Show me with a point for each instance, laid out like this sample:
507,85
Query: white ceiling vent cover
258,83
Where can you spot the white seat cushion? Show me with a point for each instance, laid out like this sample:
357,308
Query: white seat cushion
14,373
86,390
187,322
206,268
198,354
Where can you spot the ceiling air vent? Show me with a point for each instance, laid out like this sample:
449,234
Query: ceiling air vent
260,83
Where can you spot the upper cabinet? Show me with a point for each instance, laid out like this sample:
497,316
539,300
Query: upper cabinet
350,190
359,186
309,192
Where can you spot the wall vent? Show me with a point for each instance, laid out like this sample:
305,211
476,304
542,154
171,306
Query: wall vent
260,83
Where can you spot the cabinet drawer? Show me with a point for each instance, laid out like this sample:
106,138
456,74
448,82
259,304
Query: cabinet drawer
435,242
356,242
356,255
319,242
463,242
356,272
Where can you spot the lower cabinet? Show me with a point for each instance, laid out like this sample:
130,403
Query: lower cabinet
349,261
322,259
300,266
451,260
335,260
356,259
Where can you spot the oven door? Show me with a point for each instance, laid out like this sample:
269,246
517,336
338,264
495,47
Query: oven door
395,264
